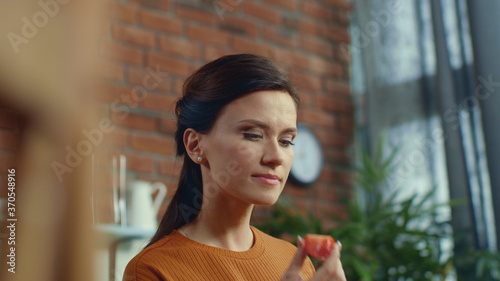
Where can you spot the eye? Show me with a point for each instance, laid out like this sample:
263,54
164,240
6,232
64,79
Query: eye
252,136
286,143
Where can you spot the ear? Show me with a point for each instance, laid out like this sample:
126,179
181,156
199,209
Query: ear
192,142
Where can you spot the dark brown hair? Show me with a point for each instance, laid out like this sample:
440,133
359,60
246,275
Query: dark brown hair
205,93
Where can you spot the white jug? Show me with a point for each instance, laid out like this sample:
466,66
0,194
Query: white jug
142,211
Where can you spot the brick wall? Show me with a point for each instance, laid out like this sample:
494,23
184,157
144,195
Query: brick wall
150,46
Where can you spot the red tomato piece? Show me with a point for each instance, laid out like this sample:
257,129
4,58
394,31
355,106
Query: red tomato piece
319,246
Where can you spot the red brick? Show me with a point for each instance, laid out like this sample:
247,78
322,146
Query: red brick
303,204
111,70
133,35
148,78
317,117
157,144
135,121
178,84
306,99
191,13
210,53
122,53
122,12
346,123
130,99
8,119
333,138
168,125
326,192
282,57
344,177
308,26
117,137
343,54
208,35
335,33
110,92
189,35
316,46
156,4
9,140
224,7
333,103
328,173
157,102
263,12
287,4
169,64
291,189
338,155
235,24
337,87
245,45
305,81
139,163
315,10
342,4
162,23
180,46
170,167
324,67
325,211
342,18
300,61
286,57
345,72
280,37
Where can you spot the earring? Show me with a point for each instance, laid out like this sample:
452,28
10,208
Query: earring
199,158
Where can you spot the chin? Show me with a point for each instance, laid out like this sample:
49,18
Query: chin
266,201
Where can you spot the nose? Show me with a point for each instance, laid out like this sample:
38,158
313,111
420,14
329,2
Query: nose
273,154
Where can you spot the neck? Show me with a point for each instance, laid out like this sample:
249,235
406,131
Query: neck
222,223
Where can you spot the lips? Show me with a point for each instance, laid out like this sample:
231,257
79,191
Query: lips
267,179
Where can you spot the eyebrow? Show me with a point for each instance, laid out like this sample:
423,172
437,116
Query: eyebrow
265,126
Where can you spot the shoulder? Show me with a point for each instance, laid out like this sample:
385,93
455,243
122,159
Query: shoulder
146,265
158,248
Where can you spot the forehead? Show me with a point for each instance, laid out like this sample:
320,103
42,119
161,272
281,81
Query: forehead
272,107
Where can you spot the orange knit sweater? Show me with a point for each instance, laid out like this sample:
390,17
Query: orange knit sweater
176,258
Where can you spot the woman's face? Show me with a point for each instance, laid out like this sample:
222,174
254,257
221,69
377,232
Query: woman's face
248,152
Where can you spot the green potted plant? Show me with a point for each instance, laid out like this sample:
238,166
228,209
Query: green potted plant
388,236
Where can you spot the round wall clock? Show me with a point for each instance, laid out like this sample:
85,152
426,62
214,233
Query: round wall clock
308,162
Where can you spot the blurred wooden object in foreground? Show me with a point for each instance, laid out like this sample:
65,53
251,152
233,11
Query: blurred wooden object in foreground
48,55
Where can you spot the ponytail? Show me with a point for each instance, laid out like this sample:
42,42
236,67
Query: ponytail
186,203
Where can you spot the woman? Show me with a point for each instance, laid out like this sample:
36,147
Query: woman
236,125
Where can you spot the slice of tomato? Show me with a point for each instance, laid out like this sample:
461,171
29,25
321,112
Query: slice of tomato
319,246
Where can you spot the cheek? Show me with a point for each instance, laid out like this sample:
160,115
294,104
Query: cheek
233,158
245,152
289,160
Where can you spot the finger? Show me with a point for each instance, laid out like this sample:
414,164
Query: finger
293,272
298,259
332,267
334,255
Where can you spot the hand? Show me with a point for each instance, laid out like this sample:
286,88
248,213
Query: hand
331,270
